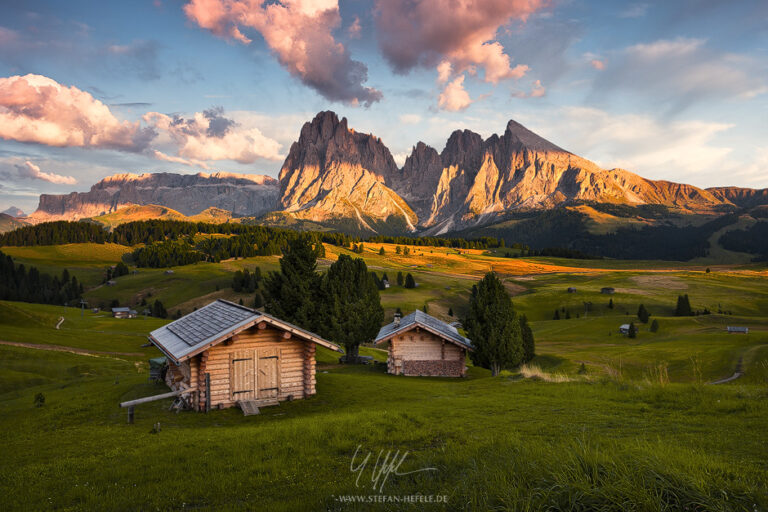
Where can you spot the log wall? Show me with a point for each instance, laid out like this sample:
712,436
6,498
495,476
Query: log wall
411,352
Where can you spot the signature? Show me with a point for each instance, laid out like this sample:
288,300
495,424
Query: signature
386,464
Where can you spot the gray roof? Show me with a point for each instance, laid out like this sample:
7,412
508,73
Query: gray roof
211,324
121,310
426,321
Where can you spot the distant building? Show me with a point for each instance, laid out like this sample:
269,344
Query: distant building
95,310
420,344
624,329
385,282
608,290
123,313
571,289
169,271
111,282
738,330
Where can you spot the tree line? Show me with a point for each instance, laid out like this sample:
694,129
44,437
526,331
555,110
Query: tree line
30,285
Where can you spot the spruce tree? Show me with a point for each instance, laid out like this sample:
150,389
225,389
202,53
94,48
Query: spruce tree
493,326
381,251
450,312
529,344
683,307
557,315
642,314
351,305
292,294
655,325
610,304
632,330
158,310
400,279
409,281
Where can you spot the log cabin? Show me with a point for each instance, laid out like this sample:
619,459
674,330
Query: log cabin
235,356
422,345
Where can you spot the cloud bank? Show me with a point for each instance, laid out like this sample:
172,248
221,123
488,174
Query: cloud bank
31,171
300,34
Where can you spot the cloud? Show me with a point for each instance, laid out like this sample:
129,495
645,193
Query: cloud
178,160
537,91
355,30
138,58
444,71
208,136
410,119
680,72
300,34
31,171
35,108
597,64
454,97
634,11
423,33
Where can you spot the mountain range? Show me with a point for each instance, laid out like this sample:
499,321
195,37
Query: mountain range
338,178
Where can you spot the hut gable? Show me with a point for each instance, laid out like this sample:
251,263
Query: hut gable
233,355
420,344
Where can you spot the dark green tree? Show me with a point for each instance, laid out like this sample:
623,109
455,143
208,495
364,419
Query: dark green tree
567,314
529,344
683,307
409,281
350,300
632,330
400,279
642,314
493,326
293,293
425,308
557,315
655,325
382,251
450,312
158,310
610,303
258,300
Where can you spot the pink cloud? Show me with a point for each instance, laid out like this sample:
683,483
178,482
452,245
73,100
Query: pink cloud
415,33
454,97
355,29
35,108
597,64
210,136
300,34
32,171
538,90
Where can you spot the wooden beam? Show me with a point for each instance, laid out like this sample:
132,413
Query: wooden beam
132,403
262,325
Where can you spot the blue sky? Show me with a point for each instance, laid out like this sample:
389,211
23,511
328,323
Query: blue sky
670,90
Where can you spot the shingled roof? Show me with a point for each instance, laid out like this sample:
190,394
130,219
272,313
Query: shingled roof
214,323
430,323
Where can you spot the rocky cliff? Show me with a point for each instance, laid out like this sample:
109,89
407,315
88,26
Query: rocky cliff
335,175
473,181
241,194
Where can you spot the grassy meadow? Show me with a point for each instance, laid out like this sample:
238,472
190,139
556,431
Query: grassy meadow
637,427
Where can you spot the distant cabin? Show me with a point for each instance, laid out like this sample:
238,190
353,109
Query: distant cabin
422,345
385,283
624,329
233,355
111,282
738,330
123,313
571,290
169,272
608,290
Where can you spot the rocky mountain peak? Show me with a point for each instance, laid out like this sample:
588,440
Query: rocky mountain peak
520,136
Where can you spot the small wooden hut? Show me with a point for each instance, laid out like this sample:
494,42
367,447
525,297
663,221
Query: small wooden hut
232,355
422,345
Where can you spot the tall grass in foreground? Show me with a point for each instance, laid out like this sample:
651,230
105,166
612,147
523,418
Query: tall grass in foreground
534,372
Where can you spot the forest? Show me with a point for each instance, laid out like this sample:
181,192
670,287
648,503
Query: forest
30,285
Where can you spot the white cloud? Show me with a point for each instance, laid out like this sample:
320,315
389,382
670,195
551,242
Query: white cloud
410,119
454,97
31,171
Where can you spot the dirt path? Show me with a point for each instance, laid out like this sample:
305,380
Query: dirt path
73,350
738,373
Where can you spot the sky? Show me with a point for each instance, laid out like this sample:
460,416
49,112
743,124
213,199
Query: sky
670,90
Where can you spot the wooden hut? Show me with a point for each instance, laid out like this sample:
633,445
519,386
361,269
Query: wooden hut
232,355
422,345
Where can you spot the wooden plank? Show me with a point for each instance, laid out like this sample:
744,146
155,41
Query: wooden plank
132,403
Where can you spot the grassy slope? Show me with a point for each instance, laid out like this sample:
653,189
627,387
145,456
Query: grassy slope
496,442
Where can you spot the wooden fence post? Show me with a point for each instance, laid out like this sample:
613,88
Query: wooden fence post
130,415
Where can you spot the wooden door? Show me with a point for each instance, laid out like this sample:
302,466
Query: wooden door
243,375
268,372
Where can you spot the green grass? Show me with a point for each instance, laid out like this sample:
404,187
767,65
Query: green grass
497,443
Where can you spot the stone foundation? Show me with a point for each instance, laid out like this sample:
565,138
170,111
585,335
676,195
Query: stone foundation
434,368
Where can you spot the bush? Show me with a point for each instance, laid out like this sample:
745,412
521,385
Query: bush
39,400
